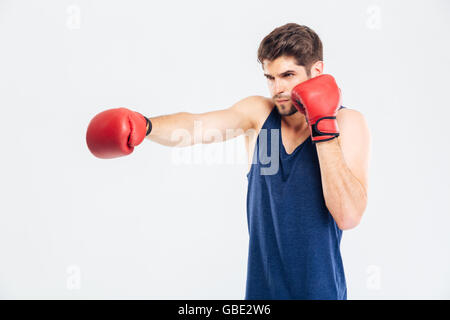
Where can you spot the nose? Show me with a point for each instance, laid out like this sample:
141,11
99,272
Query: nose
278,87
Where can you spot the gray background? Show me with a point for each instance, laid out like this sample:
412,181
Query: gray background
145,226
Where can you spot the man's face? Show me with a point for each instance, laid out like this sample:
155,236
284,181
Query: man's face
283,74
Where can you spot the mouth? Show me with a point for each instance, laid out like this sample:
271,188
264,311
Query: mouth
282,101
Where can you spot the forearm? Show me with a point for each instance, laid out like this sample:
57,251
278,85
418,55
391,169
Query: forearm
345,196
173,130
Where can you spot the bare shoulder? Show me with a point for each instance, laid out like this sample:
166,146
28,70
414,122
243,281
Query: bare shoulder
346,113
351,122
255,108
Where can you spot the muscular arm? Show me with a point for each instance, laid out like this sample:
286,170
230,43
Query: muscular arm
185,129
344,169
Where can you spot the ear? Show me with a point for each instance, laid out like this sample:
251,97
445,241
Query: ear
317,69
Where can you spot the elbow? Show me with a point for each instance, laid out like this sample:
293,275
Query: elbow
349,222
350,219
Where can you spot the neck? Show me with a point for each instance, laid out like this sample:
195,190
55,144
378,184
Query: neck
295,122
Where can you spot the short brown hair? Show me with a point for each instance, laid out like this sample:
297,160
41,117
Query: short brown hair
299,42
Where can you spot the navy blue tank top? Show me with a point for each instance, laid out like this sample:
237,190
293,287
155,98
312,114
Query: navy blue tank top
294,242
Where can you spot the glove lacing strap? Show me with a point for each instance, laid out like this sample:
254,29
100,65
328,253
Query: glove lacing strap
149,123
317,133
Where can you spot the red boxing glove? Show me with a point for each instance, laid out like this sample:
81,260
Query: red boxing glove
115,132
319,99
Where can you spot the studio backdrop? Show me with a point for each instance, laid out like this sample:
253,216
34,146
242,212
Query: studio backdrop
166,223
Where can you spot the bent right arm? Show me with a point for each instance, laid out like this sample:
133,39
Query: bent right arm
186,129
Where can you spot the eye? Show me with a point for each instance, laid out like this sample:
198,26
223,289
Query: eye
288,74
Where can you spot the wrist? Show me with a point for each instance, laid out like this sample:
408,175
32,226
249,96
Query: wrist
324,129
148,127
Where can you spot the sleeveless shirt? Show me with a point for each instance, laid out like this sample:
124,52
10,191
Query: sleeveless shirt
294,242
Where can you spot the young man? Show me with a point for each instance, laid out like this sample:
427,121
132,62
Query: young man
308,174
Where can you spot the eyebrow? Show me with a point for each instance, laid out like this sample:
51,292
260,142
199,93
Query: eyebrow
281,74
